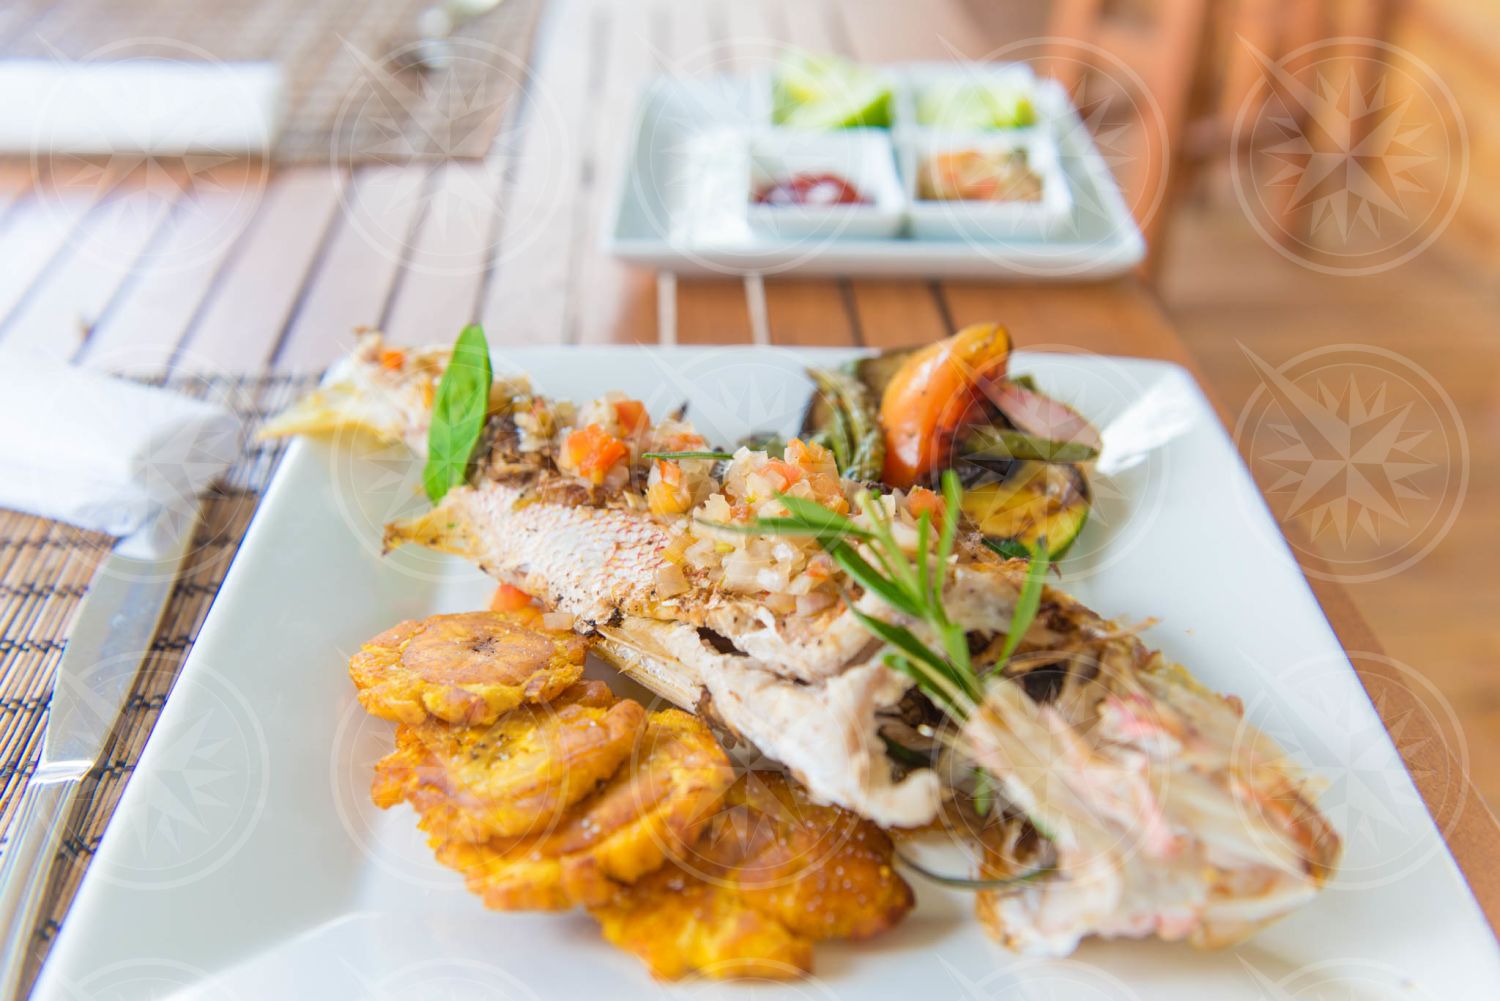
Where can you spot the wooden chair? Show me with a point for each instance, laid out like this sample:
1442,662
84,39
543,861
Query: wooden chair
1201,63
1139,55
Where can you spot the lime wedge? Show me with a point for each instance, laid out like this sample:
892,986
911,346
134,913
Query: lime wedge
968,104
867,105
825,92
1010,108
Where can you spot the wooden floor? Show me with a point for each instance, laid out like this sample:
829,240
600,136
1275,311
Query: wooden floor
1226,291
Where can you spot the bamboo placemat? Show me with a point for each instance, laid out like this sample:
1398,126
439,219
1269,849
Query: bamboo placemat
352,94
45,568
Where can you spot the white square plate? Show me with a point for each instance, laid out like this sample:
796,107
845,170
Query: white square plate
247,862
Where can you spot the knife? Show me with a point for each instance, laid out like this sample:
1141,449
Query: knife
111,634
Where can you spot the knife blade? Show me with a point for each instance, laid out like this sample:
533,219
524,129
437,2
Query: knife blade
110,638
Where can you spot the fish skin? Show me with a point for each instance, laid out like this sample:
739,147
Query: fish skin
586,561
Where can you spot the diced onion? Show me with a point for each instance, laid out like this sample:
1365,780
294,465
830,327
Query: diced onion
560,621
670,580
781,604
812,604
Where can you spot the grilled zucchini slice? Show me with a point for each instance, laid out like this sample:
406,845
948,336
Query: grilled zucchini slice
1033,500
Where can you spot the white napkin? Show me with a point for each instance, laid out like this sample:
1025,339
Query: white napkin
160,106
103,453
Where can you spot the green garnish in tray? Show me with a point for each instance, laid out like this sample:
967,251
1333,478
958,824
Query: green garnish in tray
975,104
810,91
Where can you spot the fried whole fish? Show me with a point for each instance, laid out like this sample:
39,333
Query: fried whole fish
1151,805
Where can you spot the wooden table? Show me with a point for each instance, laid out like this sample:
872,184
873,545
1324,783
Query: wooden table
149,269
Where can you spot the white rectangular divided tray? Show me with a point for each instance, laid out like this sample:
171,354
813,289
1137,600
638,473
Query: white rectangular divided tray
702,147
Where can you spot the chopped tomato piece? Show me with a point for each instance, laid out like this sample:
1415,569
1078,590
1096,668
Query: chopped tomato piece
392,358
669,471
632,416
923,501
509,598
592,451
665,493
807,454
684,443
933,394
789,473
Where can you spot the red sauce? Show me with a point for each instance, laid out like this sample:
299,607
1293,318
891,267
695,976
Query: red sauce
810,189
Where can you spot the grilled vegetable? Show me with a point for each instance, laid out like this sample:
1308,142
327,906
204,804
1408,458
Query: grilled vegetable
933,395
950,405
876,371
990,443
1042,417
842,418
1034,500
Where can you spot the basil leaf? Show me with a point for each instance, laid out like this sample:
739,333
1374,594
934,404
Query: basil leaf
458,413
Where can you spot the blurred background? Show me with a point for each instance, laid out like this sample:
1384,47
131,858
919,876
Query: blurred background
1313,178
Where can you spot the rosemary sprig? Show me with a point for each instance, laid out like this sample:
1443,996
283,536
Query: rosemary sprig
944,669
688,455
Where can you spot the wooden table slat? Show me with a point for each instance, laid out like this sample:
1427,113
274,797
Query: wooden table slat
141,332
885,31
349,289
246,311
619,302
443,273
530,298
54,316
709,310
36,232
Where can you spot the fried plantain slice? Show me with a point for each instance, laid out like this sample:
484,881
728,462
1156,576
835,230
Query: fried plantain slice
822,871
467,668
652,807
516,776
676,923
771,874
